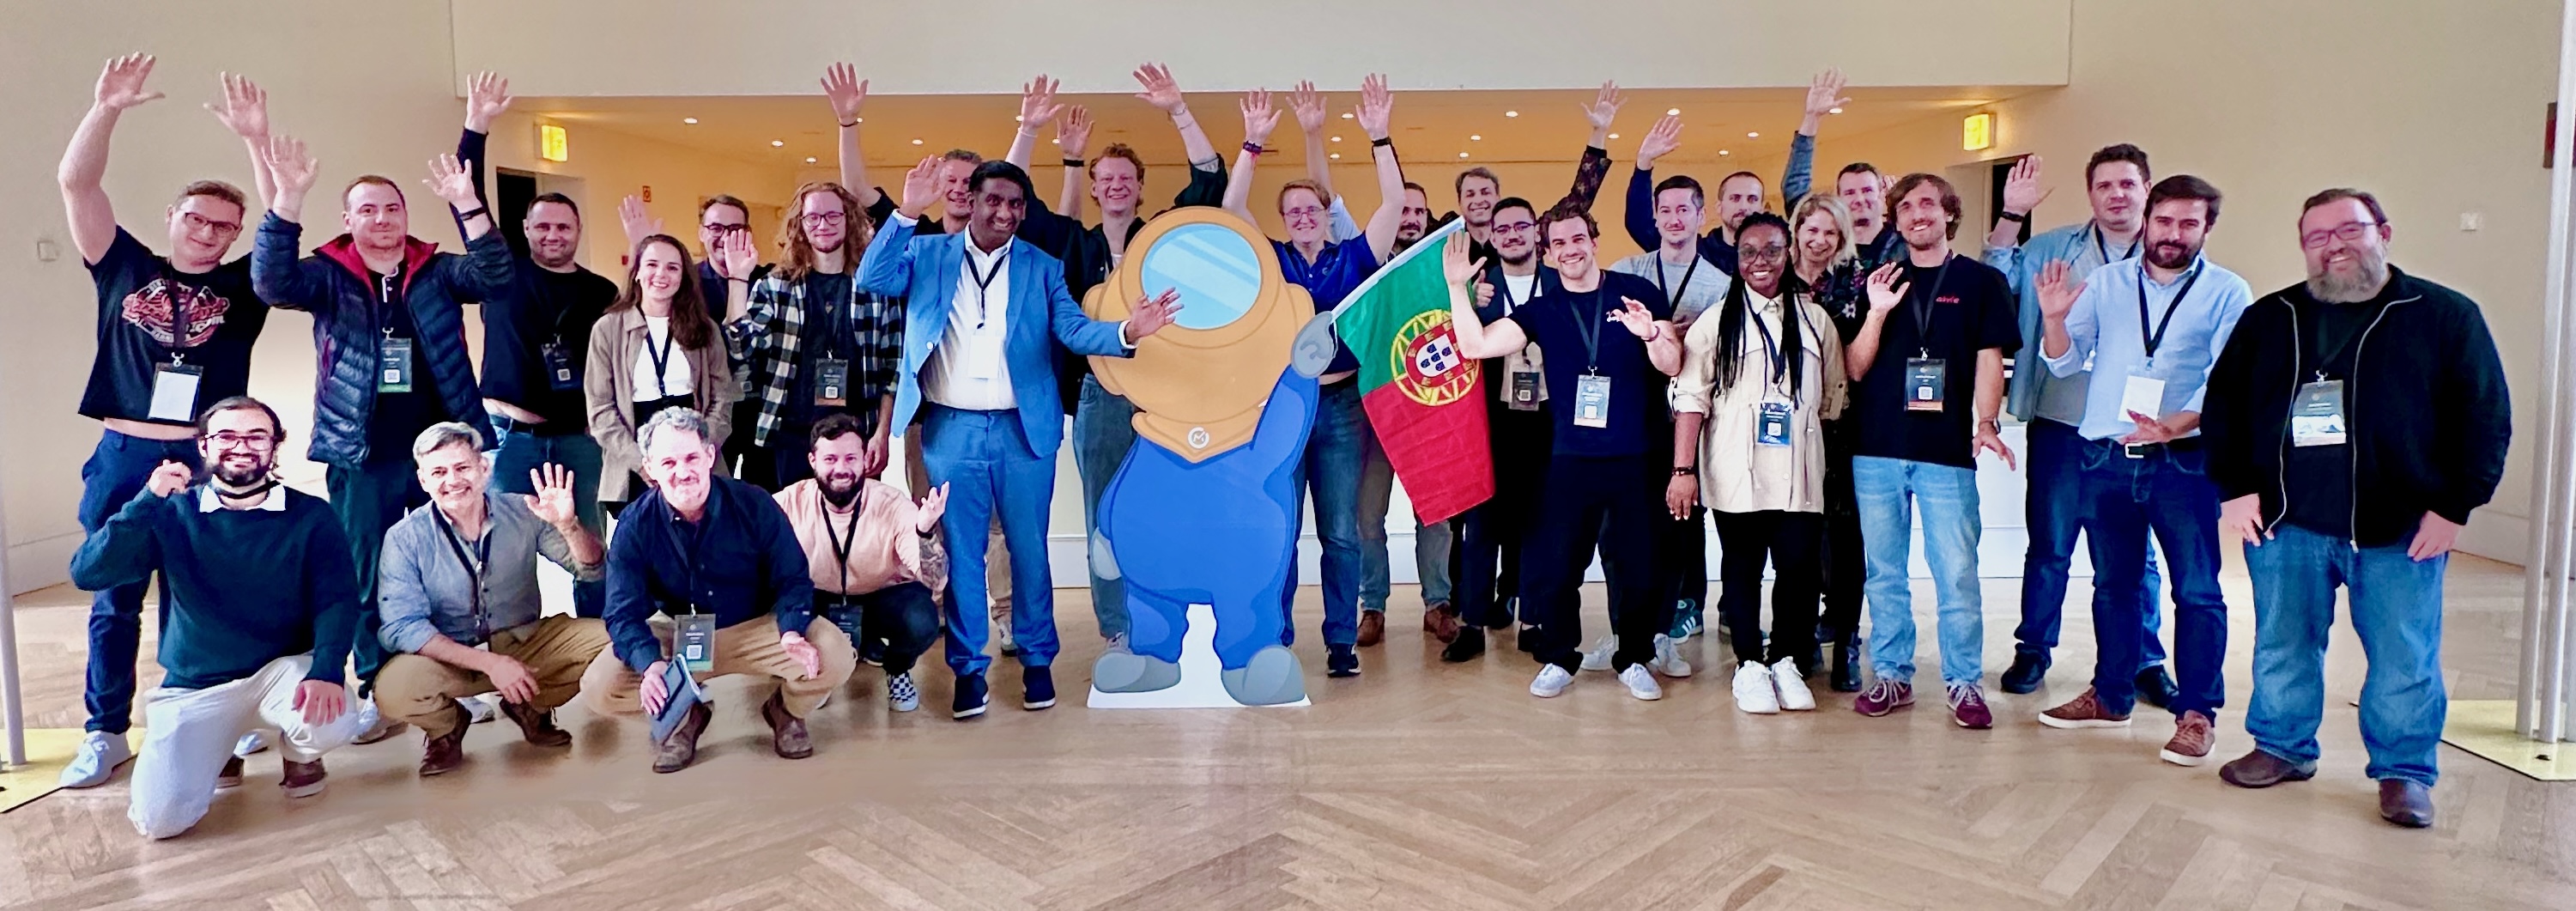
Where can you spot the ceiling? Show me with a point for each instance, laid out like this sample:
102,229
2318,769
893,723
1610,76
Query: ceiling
1549,125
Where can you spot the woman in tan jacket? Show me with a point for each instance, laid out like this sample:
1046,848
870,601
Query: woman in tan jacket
1761,371
655,348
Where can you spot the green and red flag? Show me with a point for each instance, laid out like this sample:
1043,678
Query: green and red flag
1424,399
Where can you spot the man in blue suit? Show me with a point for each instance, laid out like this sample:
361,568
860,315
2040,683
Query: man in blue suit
979,373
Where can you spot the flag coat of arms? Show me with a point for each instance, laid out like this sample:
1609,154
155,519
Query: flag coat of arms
1424,399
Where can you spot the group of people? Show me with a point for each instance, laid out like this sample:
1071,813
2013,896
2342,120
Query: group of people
1814,385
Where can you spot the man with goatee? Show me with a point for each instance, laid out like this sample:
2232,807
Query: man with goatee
876,558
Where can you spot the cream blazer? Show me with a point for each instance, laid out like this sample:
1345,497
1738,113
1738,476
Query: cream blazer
1731,479
608,385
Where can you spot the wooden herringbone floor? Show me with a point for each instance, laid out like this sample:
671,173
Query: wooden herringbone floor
1418,785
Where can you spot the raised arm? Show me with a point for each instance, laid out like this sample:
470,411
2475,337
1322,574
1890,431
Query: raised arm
275,275
1259,118
1073,142
1662,140
487,95
1377,109
2065,338
1885,292
886,269
1038,108
1824,97
84,166
244,110
1476,339
848,94
1164,94
1308,105
2022,193
1601,112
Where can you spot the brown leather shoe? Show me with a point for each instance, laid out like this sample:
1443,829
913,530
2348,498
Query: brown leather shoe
231,776
2405,803
682,747
440,755
302,779
2258,769
1372,627
786,731
538,727
1441,621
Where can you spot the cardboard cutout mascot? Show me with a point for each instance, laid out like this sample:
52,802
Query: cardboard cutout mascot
1203,510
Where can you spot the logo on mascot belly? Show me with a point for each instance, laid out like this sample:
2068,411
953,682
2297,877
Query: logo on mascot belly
1434,373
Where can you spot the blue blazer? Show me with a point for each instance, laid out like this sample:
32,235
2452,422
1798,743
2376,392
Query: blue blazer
924,271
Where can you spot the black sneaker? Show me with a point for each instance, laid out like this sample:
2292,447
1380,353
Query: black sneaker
971,696
1469,646
872,650
1342,661
2156,688
2027,670
1846,675
1040,684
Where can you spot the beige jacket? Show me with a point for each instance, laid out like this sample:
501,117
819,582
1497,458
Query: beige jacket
1734,476
609,385
885,550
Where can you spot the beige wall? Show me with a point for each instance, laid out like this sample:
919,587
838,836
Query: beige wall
662,47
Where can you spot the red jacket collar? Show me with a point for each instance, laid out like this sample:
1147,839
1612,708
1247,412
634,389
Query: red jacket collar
344,250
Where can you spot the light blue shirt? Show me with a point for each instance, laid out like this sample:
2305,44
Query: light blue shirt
2035,392
2104,329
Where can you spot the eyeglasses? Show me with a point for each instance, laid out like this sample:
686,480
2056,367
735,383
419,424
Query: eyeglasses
197,222
2351,230
256,442
1773,251
722,228
820,219
1303,212
1514,227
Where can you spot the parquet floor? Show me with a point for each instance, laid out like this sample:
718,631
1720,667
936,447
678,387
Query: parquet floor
1418,785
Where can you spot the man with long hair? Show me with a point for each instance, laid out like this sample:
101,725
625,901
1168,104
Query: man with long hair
815,344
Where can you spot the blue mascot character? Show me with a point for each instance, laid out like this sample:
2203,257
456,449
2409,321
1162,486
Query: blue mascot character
1203,510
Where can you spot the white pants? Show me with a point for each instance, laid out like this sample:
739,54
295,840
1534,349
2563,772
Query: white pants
188,735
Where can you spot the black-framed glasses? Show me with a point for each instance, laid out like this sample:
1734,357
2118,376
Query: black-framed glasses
2351,230
1515,227
820,219
1767,251
256,442
195,222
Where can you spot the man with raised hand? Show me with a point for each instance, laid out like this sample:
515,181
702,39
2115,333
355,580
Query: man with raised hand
174,333
1740,193
1496,533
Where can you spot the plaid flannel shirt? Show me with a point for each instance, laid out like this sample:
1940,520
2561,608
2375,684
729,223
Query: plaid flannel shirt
772,332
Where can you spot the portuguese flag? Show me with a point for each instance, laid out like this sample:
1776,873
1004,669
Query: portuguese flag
1424,400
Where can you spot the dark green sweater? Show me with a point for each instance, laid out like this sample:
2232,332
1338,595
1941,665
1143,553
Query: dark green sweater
240,587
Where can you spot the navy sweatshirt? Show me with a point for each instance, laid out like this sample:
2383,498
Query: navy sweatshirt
740,561
240,587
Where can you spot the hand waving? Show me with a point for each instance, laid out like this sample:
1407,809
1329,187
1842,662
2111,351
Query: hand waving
638,222
1639,320
1453,260
1159,89
921,186
1377,106
1825,93
486,96
1259,118
449,181
1604,107
1073,135
2058,289
1309,106
120,85
933,505
293,167
1885,291
553,500
1038,106
2022,191
244,107
1663,140
846,91
1152,314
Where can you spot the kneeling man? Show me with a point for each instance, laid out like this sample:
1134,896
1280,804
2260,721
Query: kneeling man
877,560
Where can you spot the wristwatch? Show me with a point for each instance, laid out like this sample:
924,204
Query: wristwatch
2024,217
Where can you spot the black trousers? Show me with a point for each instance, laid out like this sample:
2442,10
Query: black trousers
1793,543
1496,532
1844,562
1614,503
752,462
905,616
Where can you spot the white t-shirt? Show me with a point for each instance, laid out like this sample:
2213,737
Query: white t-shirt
673,376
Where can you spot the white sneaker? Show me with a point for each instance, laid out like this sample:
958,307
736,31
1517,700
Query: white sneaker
1641,683
1794,695
1598,659
480,708
901,695
1551,682
100,754
1668,659
250,744
1753,690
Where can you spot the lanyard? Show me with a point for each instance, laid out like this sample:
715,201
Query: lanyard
1770,349
1587,323
2326,359
1503,289
2156,339
473,566
1922,300
1671,296
841,546
984,281
181,302
2099,249
688,550
661,357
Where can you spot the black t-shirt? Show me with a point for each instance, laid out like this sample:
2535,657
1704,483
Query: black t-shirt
826,334
1559,321
2318,479
399,417
140,302
1972,310
553,307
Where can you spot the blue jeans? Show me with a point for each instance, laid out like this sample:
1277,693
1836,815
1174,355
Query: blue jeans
1431,540
521,452
986,460
2055,512
114,474
1330,476
368,500
2169,493
2396,605
1889,490
1104,429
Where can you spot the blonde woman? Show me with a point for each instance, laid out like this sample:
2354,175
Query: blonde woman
1832,271
1761,372
655,349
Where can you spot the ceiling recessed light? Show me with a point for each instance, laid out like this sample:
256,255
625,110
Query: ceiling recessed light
1475,137
1055,142
1614,135
916,142
1833,110
858,120
1723,152
1346,115
689,120
1462,154
1019,118
776,143
1335,156
1511,113
1337,139
1752,135
809,159
1672,112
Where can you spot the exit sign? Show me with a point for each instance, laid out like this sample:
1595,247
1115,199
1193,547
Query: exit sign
1977,132
553,144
